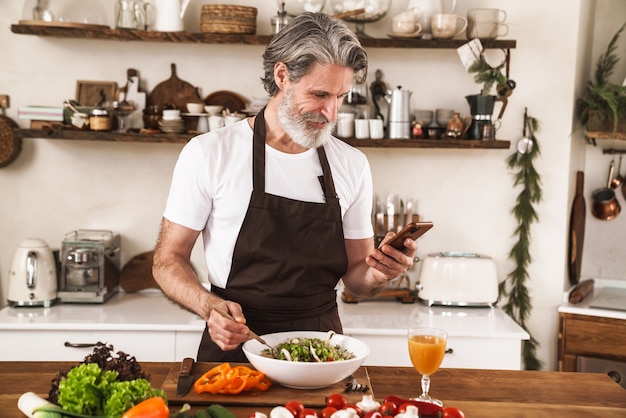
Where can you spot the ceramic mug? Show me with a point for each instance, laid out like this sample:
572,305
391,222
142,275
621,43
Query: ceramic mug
345,125
446,25
407,22
377,130
361,129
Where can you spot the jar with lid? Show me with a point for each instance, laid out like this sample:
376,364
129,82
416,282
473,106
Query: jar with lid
100,119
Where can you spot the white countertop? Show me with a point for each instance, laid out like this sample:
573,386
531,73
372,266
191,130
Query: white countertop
152,311
583,308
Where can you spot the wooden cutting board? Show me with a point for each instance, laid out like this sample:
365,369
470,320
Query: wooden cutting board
275,395
577,230
173,91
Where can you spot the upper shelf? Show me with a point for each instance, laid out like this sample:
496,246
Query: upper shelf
213,38
78,135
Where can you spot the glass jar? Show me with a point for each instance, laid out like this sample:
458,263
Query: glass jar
100,120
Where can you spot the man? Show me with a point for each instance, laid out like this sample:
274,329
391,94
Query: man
284,208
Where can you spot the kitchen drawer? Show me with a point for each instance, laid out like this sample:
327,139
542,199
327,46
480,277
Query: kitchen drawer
51,345
466,353
599,337
187,344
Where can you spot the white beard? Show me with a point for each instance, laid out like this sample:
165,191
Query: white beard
296,126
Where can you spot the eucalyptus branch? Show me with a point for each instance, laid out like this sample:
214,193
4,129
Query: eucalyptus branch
518,304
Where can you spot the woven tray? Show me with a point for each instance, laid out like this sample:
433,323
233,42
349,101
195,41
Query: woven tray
10,144
219,18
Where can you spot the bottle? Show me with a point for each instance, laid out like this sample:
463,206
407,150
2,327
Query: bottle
100,119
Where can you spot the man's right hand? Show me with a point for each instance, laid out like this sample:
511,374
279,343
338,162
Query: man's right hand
224,332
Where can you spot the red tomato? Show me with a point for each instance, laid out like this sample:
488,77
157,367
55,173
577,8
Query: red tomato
373,414
307,412
328,411
356,408
402,408
388,408
336,400
452,412
295,407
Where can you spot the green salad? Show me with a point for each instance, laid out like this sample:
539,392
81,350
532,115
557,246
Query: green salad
309,350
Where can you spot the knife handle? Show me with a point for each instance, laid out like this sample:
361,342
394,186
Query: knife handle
185,368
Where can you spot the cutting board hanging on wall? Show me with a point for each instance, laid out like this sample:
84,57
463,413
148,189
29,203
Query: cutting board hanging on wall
173,92
577,230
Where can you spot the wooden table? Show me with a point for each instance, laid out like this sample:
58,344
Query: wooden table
479,393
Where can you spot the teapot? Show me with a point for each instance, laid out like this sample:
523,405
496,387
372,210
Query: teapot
169,15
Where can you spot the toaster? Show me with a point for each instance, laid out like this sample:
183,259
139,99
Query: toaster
458,279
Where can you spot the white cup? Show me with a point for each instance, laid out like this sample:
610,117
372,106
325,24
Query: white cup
446,25
203,124
171,114
195,107
361,128
407,22
345,125
486,23
215,122
376,129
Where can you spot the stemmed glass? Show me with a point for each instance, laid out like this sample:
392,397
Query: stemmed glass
122,110
427,346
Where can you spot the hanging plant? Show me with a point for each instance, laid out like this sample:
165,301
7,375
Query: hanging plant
518,302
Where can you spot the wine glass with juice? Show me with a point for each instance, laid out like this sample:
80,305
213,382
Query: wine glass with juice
427,346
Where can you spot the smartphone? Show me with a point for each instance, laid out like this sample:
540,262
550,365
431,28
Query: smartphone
414,230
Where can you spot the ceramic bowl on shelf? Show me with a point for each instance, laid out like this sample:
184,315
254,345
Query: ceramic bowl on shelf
306,375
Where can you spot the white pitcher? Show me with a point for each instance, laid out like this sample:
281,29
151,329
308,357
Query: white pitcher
169,15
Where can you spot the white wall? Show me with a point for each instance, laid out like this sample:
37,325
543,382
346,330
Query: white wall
58,186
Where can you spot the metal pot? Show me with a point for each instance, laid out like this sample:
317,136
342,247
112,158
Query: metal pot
605,205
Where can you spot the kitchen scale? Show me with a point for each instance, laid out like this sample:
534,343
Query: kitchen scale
613,298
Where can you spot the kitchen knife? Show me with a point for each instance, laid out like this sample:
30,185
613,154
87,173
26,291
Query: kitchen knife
185,379
401,216
380,220
391,210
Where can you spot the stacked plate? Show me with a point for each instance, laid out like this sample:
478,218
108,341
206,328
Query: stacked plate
173,125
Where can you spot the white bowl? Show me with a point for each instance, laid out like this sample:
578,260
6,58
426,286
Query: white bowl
301,375
213,109
195,107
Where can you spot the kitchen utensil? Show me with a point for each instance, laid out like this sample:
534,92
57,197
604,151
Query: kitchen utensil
137,273
399,118
401,214
458,279
173,92
605,205
618,179
33,277
250,332
169,15
306,375
229,100
391,211
185,379
577,230
580,291
10,141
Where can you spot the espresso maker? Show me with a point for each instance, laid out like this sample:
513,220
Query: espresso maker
90,266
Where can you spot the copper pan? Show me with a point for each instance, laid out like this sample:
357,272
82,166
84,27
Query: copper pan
605,205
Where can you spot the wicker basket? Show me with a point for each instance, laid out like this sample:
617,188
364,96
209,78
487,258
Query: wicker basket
222,18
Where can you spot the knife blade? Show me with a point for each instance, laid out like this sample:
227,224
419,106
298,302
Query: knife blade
401,216
380,220
391,200
409,210
185,378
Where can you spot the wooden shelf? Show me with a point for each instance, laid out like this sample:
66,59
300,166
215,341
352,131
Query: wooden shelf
78,135
211,38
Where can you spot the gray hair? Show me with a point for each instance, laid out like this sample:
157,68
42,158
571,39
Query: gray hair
312,38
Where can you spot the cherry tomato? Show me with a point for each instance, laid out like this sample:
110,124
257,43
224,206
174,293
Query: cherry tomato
388,408
295,407
358,410
373,414
402,408
307,412
328,411
336,400
452,412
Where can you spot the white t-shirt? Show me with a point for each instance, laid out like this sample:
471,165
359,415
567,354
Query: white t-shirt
212,185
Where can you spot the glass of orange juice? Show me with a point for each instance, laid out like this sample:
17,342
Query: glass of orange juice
427,346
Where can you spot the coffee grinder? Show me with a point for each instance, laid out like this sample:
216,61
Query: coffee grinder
90,266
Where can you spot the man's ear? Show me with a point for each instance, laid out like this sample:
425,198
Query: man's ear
281,75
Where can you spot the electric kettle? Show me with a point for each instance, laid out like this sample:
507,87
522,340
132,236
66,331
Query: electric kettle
33,275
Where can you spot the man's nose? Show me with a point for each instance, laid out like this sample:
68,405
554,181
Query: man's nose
330,109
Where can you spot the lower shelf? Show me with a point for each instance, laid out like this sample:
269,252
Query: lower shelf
68,134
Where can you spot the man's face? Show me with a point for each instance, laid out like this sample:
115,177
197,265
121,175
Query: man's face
308,109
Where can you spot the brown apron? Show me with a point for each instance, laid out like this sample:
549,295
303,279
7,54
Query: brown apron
288,258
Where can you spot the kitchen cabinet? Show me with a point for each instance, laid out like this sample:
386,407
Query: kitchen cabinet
105,33
151,328
589,336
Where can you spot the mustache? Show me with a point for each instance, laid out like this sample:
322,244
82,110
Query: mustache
314,117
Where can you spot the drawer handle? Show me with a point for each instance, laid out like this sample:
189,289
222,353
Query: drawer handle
449,351
81,345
